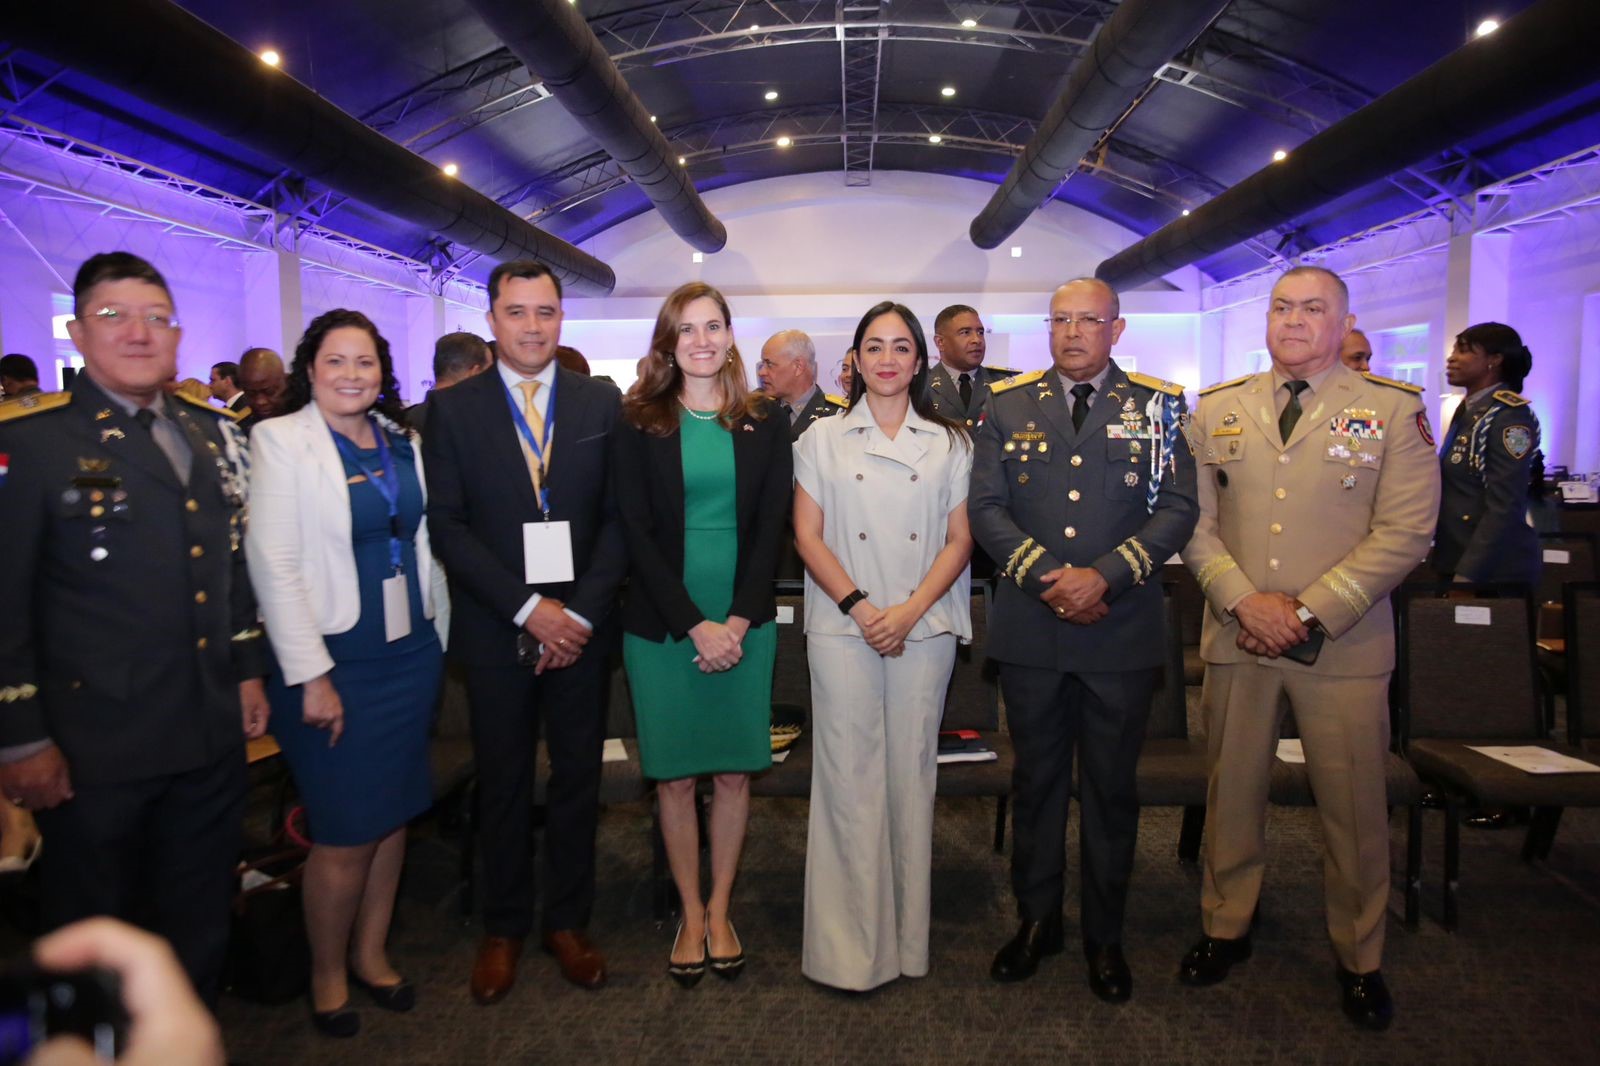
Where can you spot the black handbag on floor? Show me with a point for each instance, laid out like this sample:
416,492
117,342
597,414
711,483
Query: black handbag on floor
269,960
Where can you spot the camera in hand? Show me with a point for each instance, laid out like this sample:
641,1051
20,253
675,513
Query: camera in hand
36,1005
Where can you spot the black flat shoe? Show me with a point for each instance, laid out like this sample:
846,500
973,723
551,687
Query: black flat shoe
340,1023
1109,976
399,998
1365,999
687,974
1018,960
727,967
1209,960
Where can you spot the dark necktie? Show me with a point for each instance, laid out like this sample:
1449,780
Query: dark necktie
1291,410
146,418
1080,403
964,384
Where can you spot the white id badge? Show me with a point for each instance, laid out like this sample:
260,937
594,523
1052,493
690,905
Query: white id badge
396,608
546,552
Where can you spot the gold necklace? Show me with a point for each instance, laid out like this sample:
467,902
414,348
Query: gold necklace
712,417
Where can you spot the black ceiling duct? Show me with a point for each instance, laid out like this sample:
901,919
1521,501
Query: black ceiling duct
1119,62
1533,59
555,42
159,53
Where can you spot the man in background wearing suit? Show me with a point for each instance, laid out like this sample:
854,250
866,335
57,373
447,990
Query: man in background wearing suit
1082,486
456,357
960,382
130,657
1318,493
520,517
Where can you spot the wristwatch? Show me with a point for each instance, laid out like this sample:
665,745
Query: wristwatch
1306,616
854,597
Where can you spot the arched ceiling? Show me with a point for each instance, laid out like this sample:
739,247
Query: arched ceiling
430,75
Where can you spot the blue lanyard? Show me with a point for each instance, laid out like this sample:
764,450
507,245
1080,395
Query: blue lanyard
388,485
536,446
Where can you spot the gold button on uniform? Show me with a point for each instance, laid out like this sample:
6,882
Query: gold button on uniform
1272,564
1276,527
1077,460
1074,495
196,551
200,597
1284,459
1280,493
191,506
1070,532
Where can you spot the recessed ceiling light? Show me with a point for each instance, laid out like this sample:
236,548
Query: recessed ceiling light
682,159
1186,212
698,257
934,138
271,58
1486,27
967,24
948,90
1016,251
770,94
450,169
784,142
1279,156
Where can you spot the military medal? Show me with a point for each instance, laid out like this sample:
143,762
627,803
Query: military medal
1130,479
1348,481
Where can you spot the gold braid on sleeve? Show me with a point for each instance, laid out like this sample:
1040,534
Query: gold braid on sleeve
247,634
17,693
1214,569
1011,563
1132,560
1032,558
1144,557
1347,589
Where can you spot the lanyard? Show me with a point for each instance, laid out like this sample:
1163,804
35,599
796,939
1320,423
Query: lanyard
388,485
539,448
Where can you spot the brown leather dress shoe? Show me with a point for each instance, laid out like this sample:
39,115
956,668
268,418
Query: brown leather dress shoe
495,971
580,961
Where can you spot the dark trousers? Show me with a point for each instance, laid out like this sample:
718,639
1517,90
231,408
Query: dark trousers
510,707
1102,717
158,853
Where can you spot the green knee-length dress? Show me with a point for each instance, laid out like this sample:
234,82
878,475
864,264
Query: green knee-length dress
689,722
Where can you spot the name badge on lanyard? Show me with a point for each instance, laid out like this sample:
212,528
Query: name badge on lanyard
546,545
396,600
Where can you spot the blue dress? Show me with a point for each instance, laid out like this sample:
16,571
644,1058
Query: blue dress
377,777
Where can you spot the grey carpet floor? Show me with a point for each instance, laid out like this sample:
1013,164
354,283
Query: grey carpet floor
1518,984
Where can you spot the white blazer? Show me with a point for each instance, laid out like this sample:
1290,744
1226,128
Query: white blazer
298,546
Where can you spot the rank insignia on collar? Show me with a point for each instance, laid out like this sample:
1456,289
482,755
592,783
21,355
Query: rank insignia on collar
111,433
102,414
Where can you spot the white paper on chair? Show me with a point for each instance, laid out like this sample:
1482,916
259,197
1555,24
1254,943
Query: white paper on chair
785,614
613,751
1474,616
1535,760
1291,750
1557,556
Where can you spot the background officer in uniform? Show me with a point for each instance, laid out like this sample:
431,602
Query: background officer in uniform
130,663
959,383
788,373
1487,463
1082,486
1318,491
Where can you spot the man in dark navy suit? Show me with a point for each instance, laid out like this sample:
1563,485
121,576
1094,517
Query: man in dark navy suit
519,514
130,659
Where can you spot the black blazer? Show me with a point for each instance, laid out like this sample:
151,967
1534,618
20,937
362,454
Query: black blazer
648,474
480,494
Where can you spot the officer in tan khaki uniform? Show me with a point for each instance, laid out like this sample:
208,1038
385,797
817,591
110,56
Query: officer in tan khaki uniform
1318,493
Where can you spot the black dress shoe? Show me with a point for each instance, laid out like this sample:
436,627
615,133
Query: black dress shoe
340,1023
1210,959
1018,960
399,998
1109,976
1366,999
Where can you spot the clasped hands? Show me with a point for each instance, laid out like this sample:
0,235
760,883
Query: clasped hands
885,629
1268,624
719,645
561,636
1076,594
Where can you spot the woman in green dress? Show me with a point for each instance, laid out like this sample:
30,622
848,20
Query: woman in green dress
702,475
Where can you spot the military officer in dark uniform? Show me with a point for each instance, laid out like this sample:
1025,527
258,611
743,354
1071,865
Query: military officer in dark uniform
788,373
1486,463
1082,487
130,662
959,383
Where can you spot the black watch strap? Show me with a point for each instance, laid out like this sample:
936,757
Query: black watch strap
855,597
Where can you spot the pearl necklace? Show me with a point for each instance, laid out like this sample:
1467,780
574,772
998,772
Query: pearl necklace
712,417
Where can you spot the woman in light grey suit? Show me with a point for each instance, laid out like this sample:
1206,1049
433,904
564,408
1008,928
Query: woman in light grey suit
880,520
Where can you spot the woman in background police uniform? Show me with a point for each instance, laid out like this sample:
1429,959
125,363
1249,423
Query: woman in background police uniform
1484,532
880,518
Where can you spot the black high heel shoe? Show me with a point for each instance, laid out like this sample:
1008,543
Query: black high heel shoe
727,967
399,998
341,1023
687,974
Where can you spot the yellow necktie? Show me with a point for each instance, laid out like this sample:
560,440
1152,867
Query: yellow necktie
536,469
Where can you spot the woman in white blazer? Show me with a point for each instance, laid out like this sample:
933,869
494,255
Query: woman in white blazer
338,552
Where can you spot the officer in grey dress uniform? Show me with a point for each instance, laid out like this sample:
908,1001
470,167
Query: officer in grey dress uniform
1082,487
1486,463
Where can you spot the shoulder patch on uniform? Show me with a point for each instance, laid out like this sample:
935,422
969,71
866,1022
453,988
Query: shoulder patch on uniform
837,401
1010,383
32,404
220,412
1404,386
1511,399
1171,388
1219,386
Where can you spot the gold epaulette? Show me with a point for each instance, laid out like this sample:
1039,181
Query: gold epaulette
1169,387
1209,389
1010,383
1404,386
220,412
1511,399
837,401
32,404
